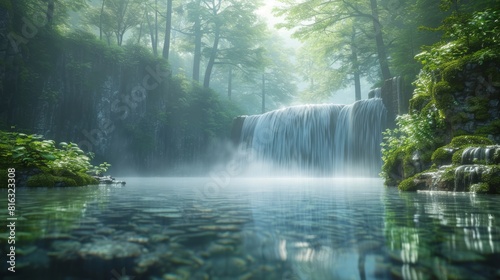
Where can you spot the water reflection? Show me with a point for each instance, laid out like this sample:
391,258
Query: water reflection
257,229
443,235
322,228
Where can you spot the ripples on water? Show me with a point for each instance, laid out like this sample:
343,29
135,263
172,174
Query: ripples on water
184,228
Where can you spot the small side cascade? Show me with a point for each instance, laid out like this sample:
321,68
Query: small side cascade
486,155
467,175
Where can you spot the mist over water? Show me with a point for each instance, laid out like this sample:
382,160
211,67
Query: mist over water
316,140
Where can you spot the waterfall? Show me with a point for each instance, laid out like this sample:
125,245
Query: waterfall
325,139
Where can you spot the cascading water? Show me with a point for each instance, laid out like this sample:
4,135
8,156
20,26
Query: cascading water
326,139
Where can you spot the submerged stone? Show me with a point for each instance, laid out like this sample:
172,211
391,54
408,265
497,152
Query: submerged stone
109,249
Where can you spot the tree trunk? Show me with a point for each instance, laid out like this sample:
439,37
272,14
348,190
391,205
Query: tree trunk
355,66
152,35
50,12
213,55
197,45
379,40
230,82
100,20
168,30
140,28
156,28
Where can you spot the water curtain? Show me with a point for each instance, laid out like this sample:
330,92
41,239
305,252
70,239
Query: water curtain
325,139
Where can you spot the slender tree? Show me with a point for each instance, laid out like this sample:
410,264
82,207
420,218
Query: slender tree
168,30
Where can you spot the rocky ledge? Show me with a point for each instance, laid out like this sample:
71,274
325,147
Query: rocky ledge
471,169
108,180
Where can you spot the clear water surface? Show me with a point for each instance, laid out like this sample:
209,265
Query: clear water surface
235,228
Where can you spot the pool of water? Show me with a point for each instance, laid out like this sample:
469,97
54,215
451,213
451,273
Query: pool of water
236,228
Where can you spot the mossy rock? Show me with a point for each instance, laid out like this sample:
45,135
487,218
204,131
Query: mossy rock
447,180
3,178
469,140
64,182
81,179
493,128
456,159
392,171
89,180
459,118
408,185
408,167
492,178
442,156
414,183
41,180
419,101
442,94
479,106
480,188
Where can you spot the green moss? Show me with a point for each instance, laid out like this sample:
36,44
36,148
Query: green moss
479,105
408,168
419,101
408,185
442,94
64,181
460,132
492,178
41,180
442,156
3,178
493,128
457,156
89,180
460,117
468,140
480,188
447,181
452,68
390,169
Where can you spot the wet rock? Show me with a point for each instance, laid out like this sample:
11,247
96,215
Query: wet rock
156,238
215,249
138,239
109,249
108,180
105,231
220,227
146,262
228,267
65,250
171,276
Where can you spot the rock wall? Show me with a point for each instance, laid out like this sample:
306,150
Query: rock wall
475,103
121,104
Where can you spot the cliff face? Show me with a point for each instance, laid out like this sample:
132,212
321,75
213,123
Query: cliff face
464,154
121,104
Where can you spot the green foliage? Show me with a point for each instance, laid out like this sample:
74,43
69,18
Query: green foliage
413,132
67,164
473,39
